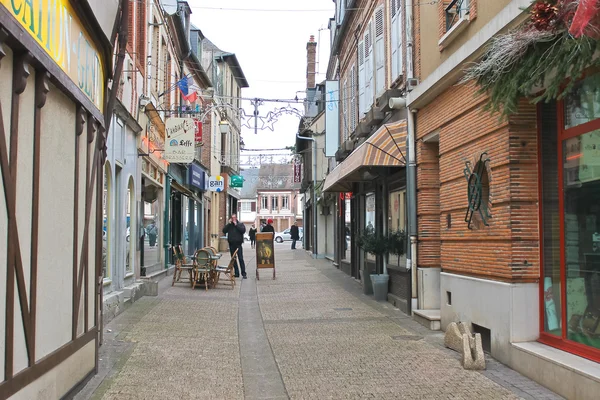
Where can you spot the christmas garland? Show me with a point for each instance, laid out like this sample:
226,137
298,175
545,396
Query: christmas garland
558,41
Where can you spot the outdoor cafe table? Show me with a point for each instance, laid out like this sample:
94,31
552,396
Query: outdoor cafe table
212,257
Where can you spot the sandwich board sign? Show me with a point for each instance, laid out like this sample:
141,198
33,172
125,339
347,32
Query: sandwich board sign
265,252
216,183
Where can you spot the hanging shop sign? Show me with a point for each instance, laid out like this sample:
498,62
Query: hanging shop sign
297,172
198,124
179,144
216,183
265,252
57,29
197,177
236,181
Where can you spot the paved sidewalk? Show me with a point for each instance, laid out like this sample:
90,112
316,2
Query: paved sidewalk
309,334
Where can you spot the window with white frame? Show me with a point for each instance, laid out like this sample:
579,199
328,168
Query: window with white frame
274,203
246,206
264,202
285,203
396,37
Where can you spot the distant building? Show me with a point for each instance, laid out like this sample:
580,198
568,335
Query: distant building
248,197
278,197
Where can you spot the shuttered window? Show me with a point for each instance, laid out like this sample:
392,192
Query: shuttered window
396,37
379,52
362,106
369,67
353,99
345,122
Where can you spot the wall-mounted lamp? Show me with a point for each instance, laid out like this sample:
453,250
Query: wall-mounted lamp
224,126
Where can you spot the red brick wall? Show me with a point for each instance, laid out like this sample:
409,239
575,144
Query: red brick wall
498,251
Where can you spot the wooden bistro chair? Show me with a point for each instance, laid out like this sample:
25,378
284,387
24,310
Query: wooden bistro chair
228,271
181,264
203,268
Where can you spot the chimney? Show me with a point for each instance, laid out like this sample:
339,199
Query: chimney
311,62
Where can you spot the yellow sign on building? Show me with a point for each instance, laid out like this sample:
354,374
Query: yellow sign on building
56,27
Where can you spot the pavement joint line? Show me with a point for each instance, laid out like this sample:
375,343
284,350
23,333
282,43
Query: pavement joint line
261,376
323,320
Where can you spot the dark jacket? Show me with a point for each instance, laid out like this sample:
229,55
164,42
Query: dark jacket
268,228
252,233
294,233
235,233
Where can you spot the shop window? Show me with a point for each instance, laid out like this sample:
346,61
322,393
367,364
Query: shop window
550,228
106,226
130,245
397,220
370,217
582,104
581,188
152,232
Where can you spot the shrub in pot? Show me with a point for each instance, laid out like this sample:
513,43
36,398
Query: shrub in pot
378,245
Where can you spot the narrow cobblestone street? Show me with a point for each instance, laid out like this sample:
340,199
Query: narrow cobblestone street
309,334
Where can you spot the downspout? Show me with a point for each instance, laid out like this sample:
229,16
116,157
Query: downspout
314,200
412,162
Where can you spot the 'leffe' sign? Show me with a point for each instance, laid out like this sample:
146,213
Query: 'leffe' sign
179,144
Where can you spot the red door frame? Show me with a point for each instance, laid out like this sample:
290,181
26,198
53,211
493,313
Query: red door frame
563,342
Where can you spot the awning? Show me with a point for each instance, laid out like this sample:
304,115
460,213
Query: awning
385,148
185,191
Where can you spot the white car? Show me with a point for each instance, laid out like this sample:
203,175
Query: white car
285,236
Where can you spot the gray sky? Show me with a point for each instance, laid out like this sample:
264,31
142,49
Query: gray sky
271,48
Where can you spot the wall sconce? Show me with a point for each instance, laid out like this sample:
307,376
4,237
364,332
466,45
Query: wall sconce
224,126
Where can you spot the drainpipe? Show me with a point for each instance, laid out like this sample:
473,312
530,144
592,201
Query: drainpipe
314,200
412,162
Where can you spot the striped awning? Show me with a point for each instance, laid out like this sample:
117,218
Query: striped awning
385,148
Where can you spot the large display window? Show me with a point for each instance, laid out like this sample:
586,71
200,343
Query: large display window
570,223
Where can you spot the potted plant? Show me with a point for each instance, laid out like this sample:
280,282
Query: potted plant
378,245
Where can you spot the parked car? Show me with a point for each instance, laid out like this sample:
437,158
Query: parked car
285,236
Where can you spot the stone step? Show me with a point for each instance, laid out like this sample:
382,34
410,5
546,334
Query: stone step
429,318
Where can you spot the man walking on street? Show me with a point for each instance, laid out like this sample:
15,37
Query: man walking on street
235,236
295,235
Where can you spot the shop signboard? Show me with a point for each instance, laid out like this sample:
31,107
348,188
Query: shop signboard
197,177
265,252
179,144
332,117
216,183
198,130
236,181
55,26
297,172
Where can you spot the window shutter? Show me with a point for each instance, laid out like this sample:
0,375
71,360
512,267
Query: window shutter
394,38
361,77
253,206
379,52
369,66
400,37
353,99
344,100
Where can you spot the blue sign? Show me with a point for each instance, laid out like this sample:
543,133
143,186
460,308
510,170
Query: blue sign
197,177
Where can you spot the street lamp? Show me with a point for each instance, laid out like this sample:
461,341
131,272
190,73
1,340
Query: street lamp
224,126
